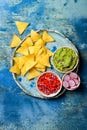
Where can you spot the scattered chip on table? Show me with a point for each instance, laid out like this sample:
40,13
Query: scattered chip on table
15,41
21,26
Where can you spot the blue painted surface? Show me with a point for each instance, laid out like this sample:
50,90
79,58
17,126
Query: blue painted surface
19,111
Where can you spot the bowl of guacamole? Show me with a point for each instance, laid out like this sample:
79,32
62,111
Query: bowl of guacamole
65,59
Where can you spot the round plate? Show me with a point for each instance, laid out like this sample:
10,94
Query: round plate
29,86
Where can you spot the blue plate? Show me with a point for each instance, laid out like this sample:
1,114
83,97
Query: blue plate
29,86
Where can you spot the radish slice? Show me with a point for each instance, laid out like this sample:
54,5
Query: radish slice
71,83
76,81
65,84
67,78
73,75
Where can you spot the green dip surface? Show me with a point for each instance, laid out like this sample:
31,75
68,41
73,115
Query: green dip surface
65,59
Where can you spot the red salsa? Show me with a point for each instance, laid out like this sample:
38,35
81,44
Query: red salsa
48,83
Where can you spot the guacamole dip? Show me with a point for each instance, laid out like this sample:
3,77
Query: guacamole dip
65,59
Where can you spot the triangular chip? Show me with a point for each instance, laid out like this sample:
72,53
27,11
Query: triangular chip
15,69
41,69
50,53
29,63
40,42
19,61
35,36
15,41
22,50
34,49
46,37
21,26
39,65
45,61
27,42
33,73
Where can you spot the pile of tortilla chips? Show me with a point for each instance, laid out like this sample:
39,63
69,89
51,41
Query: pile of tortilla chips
33,55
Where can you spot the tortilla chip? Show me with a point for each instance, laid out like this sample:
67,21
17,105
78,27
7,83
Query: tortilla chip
50,53
22,50
46,37
33,73
21,26
27,42
15,69
40,42
29,63
39,65
41,69
19,61
34,49
15,41
45,61
35,36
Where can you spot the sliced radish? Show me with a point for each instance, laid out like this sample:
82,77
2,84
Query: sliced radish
67,77
76,81
73,75
65,84
71,83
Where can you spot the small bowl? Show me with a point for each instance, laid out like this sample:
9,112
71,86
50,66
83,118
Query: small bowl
46,81
76,64
71,81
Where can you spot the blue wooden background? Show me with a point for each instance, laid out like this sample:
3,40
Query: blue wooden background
19,111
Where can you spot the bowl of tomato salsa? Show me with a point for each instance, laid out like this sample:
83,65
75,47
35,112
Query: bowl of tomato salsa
49,84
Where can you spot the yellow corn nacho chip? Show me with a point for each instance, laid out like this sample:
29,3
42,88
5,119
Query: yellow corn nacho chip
35,36
45,61
50,53
19,61
29,63
33,73
32,56
39,65
27,42
40,42
15,69
15,41
21,26
34,49
22,50
41,69
46,37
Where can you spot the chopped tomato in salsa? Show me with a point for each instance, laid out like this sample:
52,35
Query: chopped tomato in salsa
48,83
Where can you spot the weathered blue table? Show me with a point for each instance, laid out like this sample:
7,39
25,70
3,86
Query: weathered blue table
19,111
